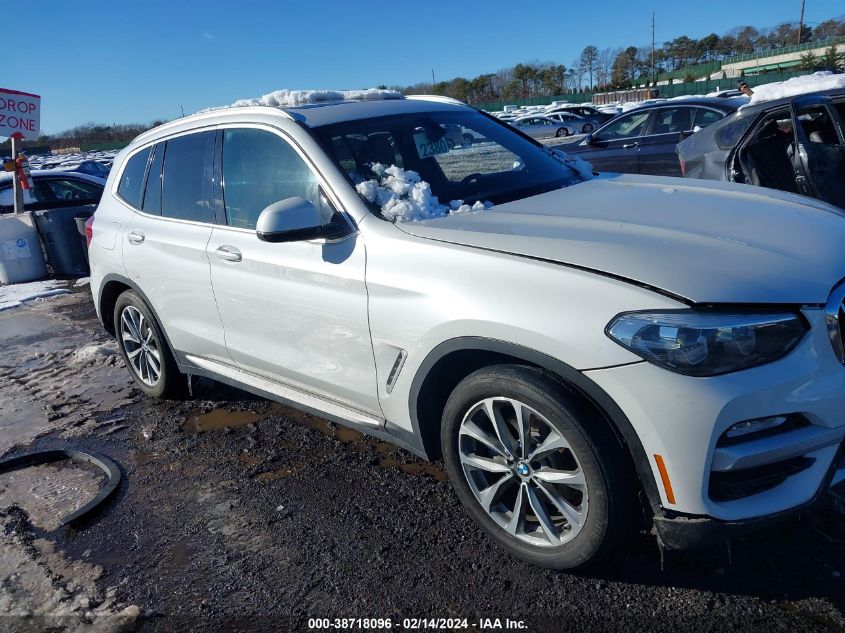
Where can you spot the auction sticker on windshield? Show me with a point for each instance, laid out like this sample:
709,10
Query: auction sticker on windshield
427,148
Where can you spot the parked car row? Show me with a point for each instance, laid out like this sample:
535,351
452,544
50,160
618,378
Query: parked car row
52,188
643,140
556,120
795,144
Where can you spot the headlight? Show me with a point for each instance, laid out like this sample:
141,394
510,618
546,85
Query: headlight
699,343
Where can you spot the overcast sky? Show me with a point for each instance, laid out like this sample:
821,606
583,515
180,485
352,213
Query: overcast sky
119,62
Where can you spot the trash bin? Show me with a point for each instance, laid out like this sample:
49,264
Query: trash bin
21,258
65,251
81,218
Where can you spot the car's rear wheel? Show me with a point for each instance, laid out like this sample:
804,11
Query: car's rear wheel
532,468
562,132
144,348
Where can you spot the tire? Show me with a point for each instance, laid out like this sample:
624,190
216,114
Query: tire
562,132
133,316
588,127
583,449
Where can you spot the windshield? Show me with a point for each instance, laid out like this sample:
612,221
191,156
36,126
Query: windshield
463,156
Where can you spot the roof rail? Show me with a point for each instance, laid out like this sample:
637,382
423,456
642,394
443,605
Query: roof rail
204,114
437,98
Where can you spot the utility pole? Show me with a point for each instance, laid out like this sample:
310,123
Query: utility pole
801,23
432,79
653,73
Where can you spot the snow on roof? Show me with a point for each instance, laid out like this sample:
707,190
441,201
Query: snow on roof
296,98
817,82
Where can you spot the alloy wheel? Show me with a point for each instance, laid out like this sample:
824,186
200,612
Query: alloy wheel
141,345
523,472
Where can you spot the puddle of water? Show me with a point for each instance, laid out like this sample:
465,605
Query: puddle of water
248,459
414,468
348,435
217,419
180,554
48,492
273,475
141,457
385,448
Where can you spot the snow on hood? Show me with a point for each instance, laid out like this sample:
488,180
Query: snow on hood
294,98
402,195
817,82
707,241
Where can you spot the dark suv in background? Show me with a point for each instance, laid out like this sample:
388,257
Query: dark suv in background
643,140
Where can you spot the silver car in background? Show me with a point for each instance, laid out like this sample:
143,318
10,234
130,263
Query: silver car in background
538,126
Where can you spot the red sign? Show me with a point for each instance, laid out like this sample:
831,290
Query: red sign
20,114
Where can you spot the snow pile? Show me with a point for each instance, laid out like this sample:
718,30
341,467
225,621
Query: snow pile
13,295
296,98
402,195
82,281
822,80
86,355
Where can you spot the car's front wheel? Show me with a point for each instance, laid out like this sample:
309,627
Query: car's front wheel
144,348
532,468
588,127
562,132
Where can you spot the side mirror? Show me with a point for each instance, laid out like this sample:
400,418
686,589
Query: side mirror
293,220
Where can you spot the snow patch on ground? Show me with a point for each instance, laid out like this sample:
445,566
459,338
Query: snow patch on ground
402,195
822,80
13,295
85,355
295,98
82,281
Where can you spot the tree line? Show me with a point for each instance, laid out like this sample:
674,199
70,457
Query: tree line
614,68
90,134
593,70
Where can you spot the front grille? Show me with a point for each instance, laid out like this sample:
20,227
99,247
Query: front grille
834,313
731,485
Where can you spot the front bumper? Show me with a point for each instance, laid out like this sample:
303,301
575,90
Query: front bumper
682,419
680,531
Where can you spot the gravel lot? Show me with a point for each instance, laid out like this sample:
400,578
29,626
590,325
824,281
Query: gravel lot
237,514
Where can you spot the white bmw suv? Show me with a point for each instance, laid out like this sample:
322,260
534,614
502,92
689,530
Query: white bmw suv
588,354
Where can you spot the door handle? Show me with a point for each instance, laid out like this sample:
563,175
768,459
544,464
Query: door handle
630,145
135,237
228,253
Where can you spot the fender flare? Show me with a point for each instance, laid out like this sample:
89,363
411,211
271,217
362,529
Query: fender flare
572,376
128,282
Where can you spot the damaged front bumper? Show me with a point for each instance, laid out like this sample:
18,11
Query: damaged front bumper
676,530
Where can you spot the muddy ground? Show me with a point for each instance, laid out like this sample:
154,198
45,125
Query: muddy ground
236,514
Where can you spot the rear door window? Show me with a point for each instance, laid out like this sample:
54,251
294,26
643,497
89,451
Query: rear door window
152,192
625,127
132,178
672,120
187,191
70,189
704,117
